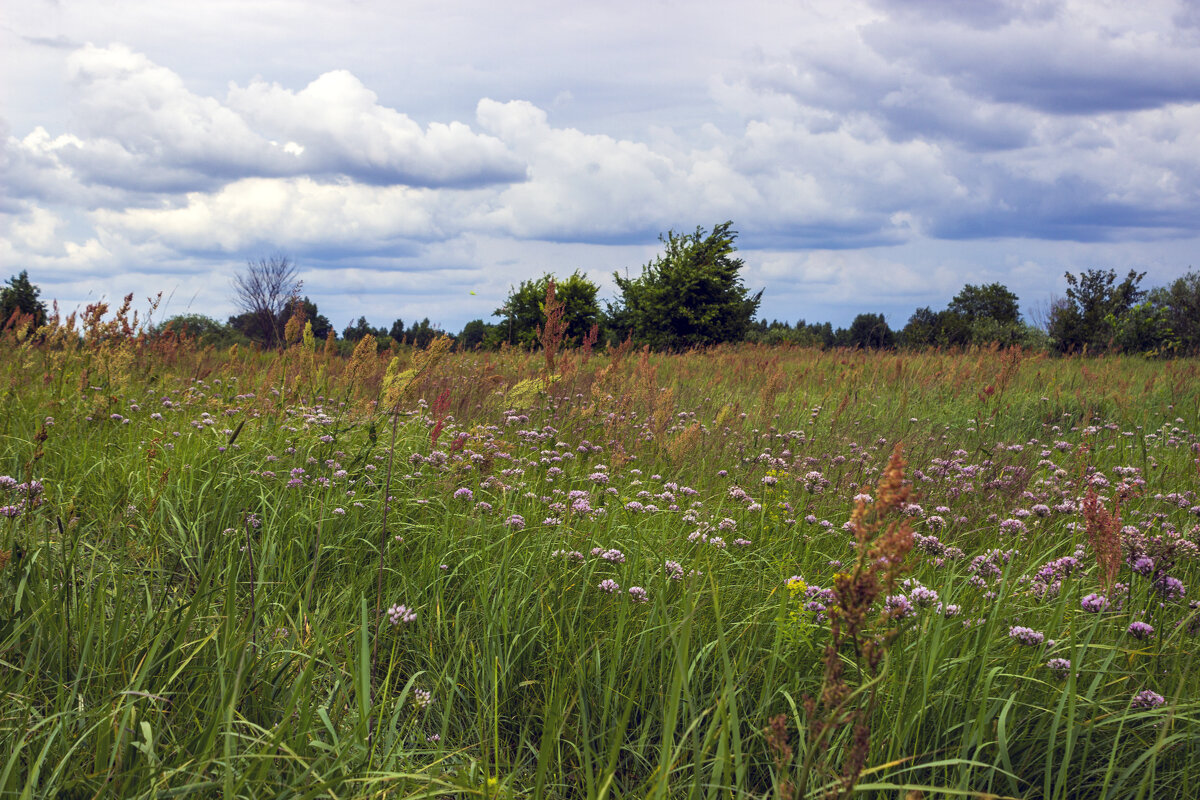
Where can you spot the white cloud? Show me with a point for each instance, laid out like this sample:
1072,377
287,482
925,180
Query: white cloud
864,149
274,212
139,128
336,125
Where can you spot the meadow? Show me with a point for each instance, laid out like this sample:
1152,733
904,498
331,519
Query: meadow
743,572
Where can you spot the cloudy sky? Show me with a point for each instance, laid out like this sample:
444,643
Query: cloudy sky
418,158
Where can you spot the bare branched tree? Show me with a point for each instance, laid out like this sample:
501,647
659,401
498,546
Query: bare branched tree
263,290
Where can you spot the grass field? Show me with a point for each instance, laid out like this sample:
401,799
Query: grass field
739,573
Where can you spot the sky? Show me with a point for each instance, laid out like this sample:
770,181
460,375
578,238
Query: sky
419,159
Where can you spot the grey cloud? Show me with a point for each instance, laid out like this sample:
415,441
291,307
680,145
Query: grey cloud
984,14
1065,66
59,42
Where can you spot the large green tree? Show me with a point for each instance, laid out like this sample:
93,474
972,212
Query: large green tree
691,295
868,332
1180,307
524,313
1091,315
21,295
321,326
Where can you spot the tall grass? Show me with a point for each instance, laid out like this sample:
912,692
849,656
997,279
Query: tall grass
178,620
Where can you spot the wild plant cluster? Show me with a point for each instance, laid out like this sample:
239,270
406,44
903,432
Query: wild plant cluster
735,572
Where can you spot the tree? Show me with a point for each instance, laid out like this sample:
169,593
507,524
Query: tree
1091,313
474,334
21,295
869,332
261,292
206,330
397,331
321,326
524,313
922,329
421,334
690,296
1180,304
357,330
993,301
981,315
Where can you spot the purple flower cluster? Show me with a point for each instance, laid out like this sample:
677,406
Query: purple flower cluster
1147,699
401,614
1140,630
1027,637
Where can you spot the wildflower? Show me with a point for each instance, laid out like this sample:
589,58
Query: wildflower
399,614
923,596
1147,699
609,585
1026,636
613,556
1140,630
1143,565
463,494
1094,603
638,595
1170,588
674,570
516,522
727,524
1013,527
422,699
898,606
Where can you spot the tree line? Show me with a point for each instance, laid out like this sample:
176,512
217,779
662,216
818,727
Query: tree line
692,295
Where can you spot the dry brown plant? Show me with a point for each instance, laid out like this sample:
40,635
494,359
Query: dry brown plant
883,539
551,334
1104,536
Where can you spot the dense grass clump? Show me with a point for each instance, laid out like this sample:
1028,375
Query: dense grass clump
742,572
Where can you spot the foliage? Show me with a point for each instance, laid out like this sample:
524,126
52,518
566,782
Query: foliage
321,326
22,295
993,302
977,315
867,331
1180,306
689,296
803,334
475,334
397,330
423,334
524,314
206,330
1092,312
357,330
